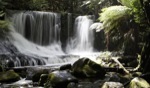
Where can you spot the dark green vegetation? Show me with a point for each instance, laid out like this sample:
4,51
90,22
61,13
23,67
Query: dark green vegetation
3,23
127,27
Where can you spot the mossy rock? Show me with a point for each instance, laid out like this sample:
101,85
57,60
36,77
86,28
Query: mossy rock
59,79
9,76
112,85
85,67
139,83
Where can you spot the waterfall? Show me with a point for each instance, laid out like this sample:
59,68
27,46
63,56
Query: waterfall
38,34
42,28
83,37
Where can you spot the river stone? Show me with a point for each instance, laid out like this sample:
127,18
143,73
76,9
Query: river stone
43,79
9,76
112,85
72,85
59,79
139,83
84,67
66,66
34,73
115,77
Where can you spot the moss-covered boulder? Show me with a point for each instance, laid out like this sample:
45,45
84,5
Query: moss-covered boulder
59,79
9,76
84,67
112,85
139,83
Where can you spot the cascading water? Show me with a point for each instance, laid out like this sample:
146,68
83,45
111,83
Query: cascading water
43,28
83,38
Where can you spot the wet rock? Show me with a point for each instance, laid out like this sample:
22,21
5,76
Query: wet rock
64,67
11,57
84,67
72,85
115,77
34,73
99,83
43,79
9,76
22,71
85,85
6,47
59,79
112,85
139,83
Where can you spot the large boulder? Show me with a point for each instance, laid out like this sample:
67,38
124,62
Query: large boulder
112,85
85,67
9,76
139,83
59,79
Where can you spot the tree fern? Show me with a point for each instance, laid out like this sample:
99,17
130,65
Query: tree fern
112,16
136,7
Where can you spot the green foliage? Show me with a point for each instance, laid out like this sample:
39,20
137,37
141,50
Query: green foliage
94,6
43,5
2,4
38,4
136,7
3,23
113,16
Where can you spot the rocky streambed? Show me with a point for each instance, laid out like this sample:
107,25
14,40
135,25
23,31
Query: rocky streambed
84,73
105,71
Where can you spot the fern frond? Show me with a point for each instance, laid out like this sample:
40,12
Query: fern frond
112,16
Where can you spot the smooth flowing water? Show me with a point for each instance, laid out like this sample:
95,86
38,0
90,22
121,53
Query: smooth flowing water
82,40
38,33
42,28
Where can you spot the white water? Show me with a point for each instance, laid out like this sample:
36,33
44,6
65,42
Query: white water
43,28
83,37
53,52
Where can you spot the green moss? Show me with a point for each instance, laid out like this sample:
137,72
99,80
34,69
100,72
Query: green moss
9,76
